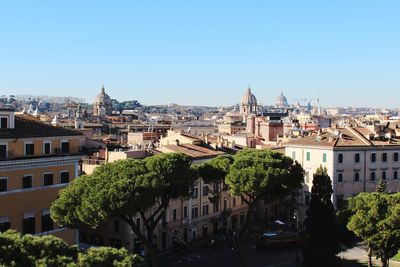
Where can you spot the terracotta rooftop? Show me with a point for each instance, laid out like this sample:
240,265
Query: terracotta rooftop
27,126
343,137
193,151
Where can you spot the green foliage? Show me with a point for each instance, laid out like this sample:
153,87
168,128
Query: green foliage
262,174
50,251
382,186
215,170
125,189
29,250
106,256
376,219
321,242
122,188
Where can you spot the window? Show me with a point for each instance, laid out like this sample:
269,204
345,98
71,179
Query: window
47,179
340,158
373,157
293,155
28,223
27,181
384,157
205,209
356,176
4,224
184,212
383,175
116,225
47,147
205,190
308,156
396,156
324,157
29,149
174,214
3,123
357,158
373,176
64,177
234,202
3,151
195,213
195,192
395,175
215,207
3,184
225,203
340,177
64,147
47,222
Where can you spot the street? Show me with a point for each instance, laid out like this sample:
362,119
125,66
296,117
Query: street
225,256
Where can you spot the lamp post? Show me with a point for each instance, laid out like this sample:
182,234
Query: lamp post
296,217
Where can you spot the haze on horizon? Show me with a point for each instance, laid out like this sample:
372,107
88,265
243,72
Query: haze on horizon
344,52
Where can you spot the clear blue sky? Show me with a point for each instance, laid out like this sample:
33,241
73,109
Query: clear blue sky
203,52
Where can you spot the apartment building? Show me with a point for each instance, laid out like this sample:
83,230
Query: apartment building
200,215
36,161
356,159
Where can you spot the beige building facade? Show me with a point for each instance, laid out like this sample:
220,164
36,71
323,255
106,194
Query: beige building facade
355,159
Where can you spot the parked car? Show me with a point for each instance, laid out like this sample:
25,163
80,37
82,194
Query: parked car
278,240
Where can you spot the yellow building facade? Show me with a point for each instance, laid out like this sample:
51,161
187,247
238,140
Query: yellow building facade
36,161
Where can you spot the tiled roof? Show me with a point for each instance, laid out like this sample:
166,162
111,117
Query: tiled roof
343,137
193,151
27,126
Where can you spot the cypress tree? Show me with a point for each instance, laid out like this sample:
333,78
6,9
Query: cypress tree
321,242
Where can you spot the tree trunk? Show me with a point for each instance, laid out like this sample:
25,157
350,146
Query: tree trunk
153,256
384,262
370,257
147,241
152,252
243,234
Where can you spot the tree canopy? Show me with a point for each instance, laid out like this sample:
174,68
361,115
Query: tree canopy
262,174
376,219
29,250
126,189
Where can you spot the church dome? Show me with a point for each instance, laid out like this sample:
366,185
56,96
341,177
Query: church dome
281,101
248,98
249,103
102,98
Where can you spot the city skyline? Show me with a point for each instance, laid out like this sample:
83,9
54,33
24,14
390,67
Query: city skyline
203,54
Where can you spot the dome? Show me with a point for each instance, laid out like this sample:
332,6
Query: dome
281,101
249,98
249,103
102,98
